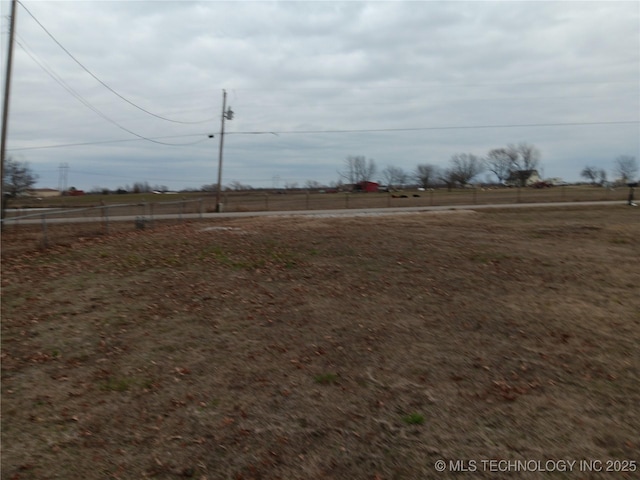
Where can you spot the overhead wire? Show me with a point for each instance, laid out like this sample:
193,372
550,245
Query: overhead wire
110,175
452,127
59,80
105,84
87,104
370,130
101,142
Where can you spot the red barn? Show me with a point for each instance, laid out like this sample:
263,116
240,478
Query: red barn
366,187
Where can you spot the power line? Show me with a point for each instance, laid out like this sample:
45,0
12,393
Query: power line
417,85
458,127
101,142
87,104
313,132
411,101
109,175
103,83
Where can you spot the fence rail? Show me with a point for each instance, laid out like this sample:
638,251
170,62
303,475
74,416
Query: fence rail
104,217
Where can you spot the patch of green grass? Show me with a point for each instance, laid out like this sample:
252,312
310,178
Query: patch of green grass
271,254
413,419
281,255
223,257
133,261
620,241
361,382
216,252
168,348
249,264
326,378
213,403
488,257
148,384
172,261
117,384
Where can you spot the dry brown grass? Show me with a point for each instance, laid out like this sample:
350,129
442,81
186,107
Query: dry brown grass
256,200
294,348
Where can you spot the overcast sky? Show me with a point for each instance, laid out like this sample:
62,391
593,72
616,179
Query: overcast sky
426,79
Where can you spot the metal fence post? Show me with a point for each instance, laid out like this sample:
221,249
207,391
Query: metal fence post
45,240
106,219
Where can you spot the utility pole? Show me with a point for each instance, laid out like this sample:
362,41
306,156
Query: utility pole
62,177
5,107
228,115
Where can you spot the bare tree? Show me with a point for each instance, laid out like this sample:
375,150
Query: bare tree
394,176
358,169
425,174
626,168
526,159
602,176
18,177
529,156
141,187
312,185
590,173
238,186
499,161
448,177
465,166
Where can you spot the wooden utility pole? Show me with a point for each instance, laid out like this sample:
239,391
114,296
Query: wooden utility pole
228,115
5,107
219,187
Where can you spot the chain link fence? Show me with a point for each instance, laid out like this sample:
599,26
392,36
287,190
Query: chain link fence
49,226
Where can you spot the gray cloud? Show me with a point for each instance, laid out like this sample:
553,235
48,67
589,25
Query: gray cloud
292,66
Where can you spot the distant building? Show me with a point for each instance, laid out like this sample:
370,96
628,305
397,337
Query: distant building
44,192
366,187
524,178
556,182
73,192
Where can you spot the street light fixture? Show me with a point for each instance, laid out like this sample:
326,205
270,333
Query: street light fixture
227,114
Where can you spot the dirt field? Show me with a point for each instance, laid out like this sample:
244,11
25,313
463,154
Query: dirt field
326,348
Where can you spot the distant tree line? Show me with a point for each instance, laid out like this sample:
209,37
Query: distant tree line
513,165
513,162
136,187
625,170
